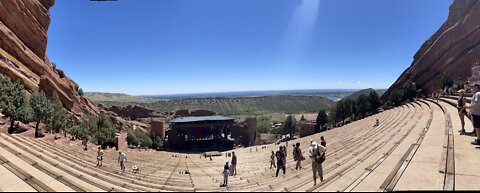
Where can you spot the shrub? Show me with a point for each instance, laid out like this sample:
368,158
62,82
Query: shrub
80,92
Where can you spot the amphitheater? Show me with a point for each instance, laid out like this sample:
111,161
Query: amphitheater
417,147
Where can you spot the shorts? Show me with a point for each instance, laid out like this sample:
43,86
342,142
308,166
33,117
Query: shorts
100,158
476,121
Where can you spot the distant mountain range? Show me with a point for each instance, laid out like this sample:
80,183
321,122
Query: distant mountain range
234,103
257,93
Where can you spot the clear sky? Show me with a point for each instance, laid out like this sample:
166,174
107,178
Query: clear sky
144,47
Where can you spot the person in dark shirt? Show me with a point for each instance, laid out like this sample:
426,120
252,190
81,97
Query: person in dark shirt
226,173
234,164
280,161
323,142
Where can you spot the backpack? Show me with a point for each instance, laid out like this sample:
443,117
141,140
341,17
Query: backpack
321,158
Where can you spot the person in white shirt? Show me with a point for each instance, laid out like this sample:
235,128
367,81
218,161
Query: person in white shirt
317,155
475,111
122,159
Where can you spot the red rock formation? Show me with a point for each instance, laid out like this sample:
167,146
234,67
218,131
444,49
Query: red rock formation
134,112
452,50
23,42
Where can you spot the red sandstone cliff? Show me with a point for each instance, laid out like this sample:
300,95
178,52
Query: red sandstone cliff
23,42
452,50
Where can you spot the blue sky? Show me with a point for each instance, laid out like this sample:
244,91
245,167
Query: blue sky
144,47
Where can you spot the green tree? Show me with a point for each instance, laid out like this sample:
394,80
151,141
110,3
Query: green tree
352,105
132,139
363,105
290,125
14,102
396,98
59,119
447,81
322,120
409,91
332,117
6,87
89,122
157,141
41,108
374,101
342,111
144,138
78,131
104,132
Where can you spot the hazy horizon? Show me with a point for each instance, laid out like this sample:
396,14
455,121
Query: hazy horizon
246,92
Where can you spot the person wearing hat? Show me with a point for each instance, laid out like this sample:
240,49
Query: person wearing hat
317,155
475,111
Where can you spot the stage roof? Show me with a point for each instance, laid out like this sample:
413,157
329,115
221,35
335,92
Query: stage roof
201,119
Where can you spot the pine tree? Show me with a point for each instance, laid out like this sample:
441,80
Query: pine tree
14,102
363,105
41,108
290,126
322,120
104,132
59,118
374,101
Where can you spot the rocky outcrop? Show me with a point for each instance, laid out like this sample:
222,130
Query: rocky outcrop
134,112
452,50
23,42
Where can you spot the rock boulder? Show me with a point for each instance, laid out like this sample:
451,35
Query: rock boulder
23,42
452,50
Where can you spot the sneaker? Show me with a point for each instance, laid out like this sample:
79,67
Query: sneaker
473,133
476,142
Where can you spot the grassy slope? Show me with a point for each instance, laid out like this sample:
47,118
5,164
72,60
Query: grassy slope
247,105
238,105
117,97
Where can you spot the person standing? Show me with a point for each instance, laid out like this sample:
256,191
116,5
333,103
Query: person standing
226,173
281,160
317,155
462,111
122,160
297,156
323,142
272,160
234,164
100,157
475,110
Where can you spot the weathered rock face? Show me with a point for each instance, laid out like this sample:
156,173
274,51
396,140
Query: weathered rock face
452,50
23,42
134,112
